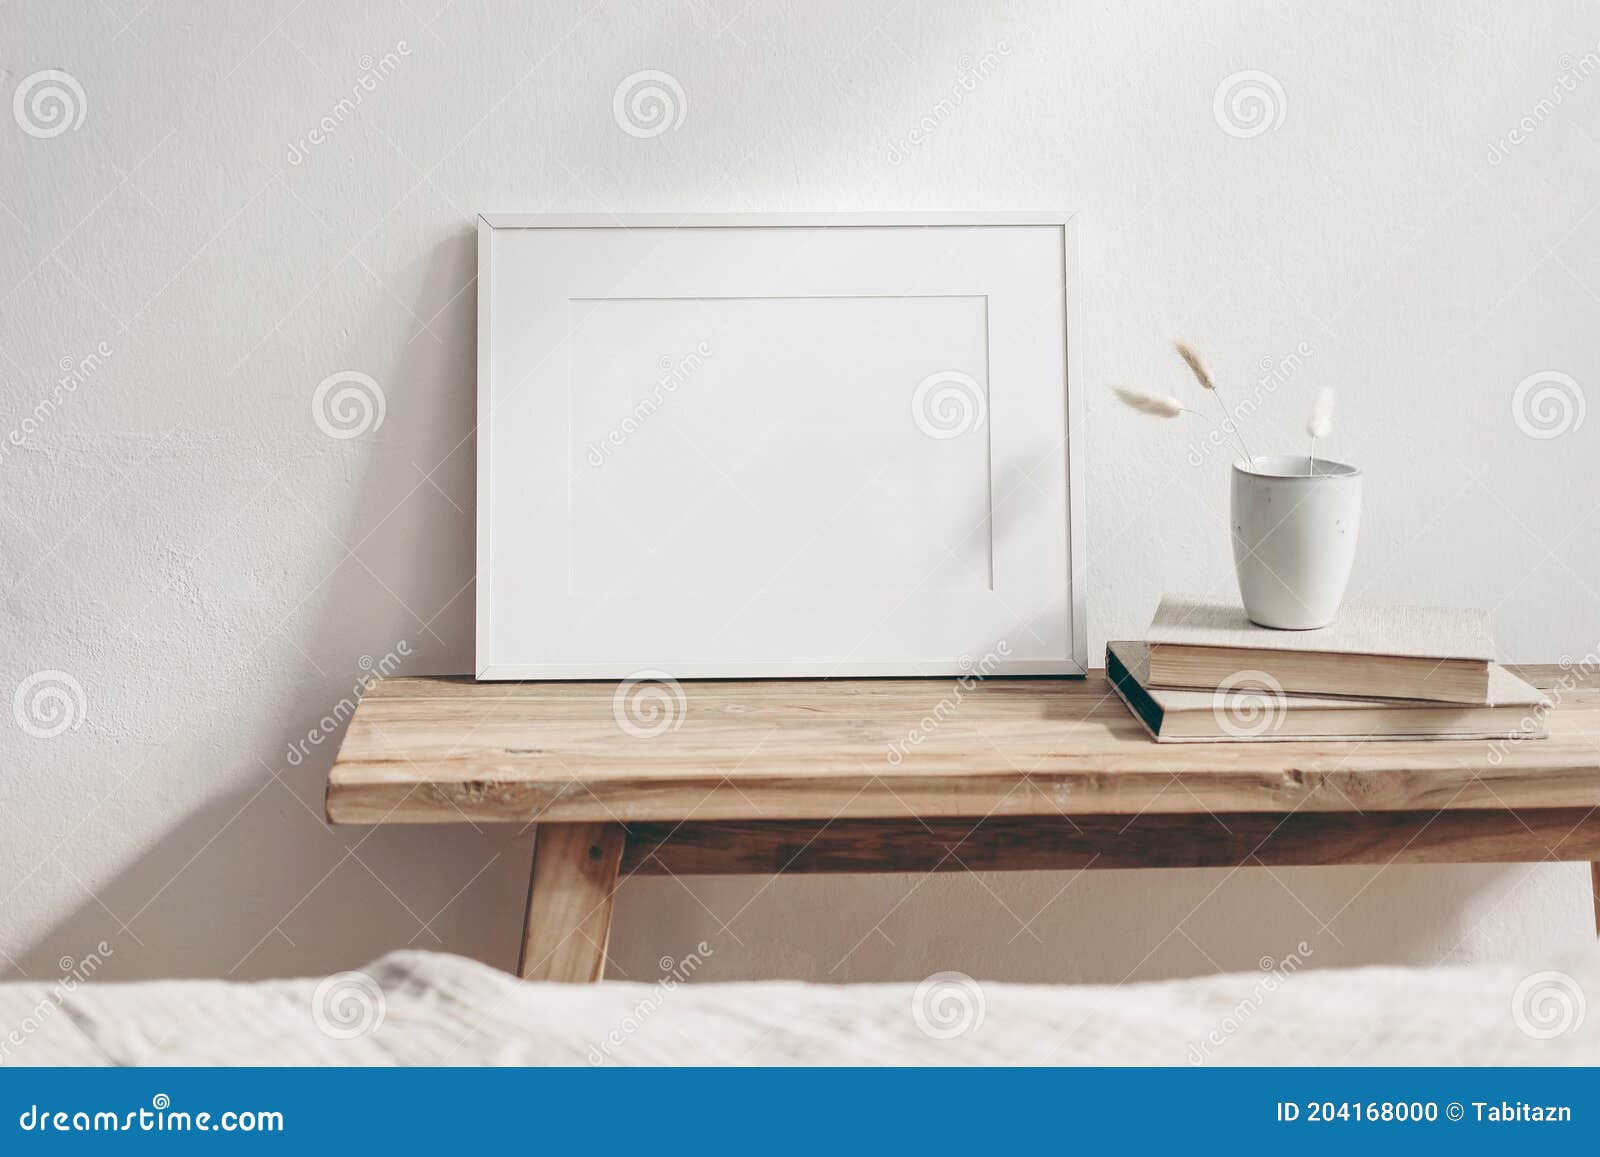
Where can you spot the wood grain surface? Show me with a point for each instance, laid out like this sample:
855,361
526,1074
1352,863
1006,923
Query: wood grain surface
1053,843
450,750
570,894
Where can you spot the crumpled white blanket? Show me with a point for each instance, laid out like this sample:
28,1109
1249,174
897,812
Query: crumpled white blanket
413,1008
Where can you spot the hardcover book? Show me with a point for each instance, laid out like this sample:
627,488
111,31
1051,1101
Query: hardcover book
1440,654
1252,711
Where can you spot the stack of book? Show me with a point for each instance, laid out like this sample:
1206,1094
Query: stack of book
1205,673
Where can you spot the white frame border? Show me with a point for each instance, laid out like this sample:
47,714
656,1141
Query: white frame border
1077,549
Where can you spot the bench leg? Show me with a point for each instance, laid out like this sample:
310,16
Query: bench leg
569,902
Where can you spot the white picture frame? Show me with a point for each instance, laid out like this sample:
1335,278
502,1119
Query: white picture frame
778,445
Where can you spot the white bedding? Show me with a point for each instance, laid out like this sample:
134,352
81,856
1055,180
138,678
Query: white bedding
438,1009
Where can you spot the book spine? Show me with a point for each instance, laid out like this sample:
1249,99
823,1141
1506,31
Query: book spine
1145,709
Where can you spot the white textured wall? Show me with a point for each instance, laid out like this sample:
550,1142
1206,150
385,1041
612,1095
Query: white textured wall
180,537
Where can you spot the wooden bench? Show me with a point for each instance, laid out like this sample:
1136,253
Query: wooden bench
896,775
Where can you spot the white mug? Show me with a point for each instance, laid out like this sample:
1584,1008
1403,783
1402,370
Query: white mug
1295,521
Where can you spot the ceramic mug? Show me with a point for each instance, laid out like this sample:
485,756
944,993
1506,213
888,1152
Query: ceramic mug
1295,521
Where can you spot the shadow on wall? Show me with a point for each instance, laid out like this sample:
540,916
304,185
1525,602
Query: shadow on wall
252,882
